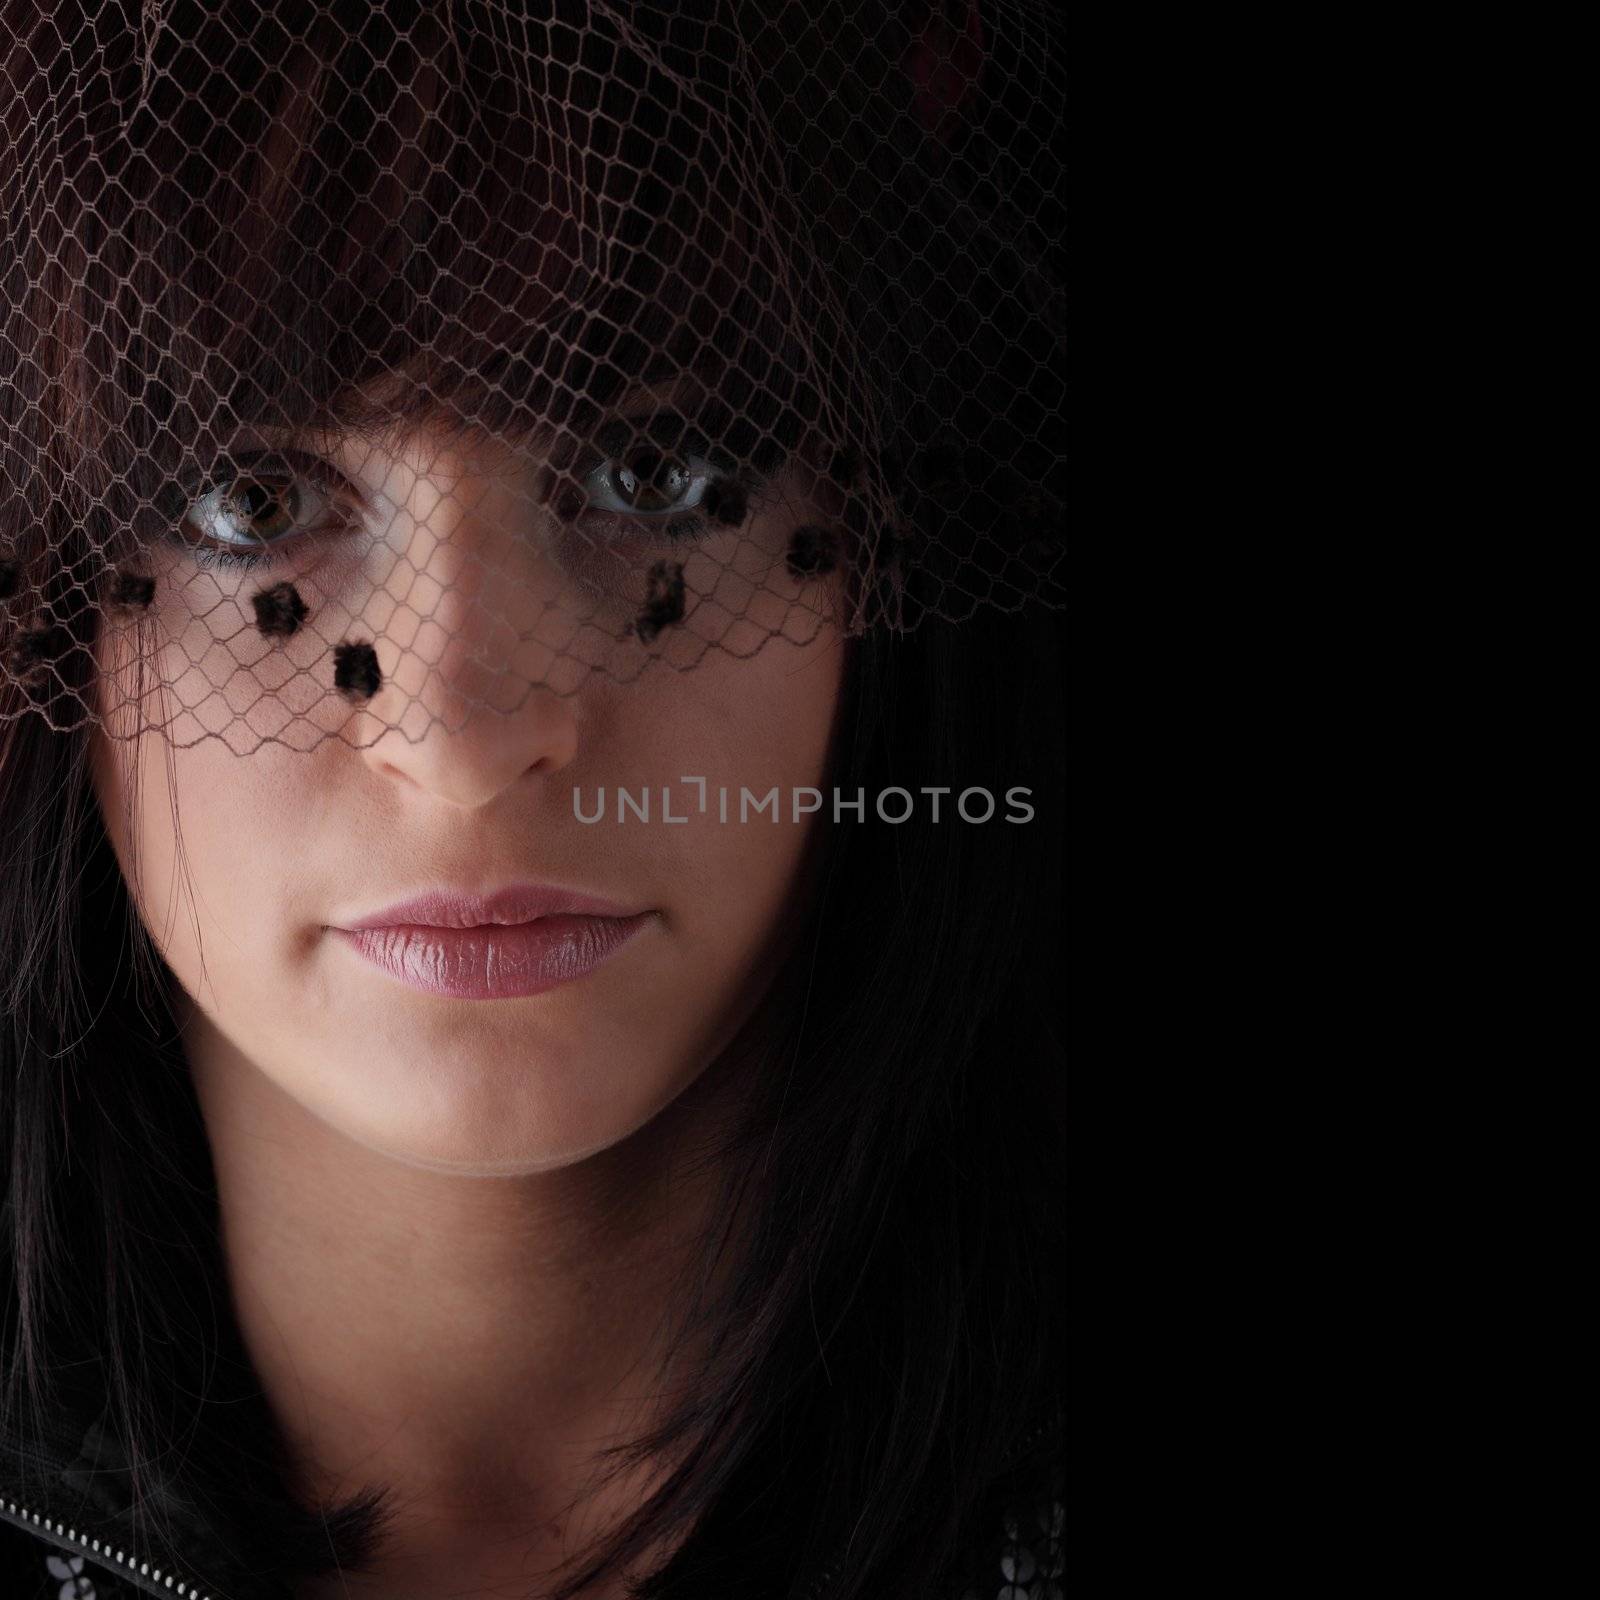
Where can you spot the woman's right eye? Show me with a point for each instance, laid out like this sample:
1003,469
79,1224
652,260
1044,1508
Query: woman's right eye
249,510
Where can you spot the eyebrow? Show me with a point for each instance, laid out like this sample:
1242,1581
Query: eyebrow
662,381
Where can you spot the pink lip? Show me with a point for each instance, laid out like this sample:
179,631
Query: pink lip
456,908
521,940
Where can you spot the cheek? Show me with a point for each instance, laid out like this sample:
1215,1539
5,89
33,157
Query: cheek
746,728
203,851
131,787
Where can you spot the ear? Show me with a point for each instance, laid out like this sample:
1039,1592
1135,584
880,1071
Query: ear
943,63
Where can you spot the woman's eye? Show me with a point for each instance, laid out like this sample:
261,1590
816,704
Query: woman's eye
652,480
653,469
254,511
247,512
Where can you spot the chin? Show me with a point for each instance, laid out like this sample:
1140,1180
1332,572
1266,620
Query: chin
499,1112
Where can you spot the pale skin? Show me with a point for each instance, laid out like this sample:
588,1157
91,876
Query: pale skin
450,1225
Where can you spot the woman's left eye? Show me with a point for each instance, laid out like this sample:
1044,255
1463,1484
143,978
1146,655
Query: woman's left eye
654,468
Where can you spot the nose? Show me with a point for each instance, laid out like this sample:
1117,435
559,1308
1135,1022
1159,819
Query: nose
478,712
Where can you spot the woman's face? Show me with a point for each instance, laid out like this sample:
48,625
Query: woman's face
467,601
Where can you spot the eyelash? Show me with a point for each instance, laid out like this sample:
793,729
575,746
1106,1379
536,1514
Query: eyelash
215,556
681,527
271,467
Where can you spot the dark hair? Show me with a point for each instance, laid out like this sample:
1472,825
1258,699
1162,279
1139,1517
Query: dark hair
894,1329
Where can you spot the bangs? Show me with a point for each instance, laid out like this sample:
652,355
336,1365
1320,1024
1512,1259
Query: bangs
355,217
314,220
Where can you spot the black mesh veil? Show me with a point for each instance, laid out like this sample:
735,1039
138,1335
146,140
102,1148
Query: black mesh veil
364,366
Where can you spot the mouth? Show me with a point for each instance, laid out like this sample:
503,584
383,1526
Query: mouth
518,941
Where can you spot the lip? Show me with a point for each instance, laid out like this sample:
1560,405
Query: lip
516,941
461,908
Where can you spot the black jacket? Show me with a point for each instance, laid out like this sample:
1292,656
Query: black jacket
63,1530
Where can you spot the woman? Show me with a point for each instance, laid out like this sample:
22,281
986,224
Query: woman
515,521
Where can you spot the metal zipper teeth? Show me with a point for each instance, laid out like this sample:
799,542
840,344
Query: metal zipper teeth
820,1587
30,1520
151,1579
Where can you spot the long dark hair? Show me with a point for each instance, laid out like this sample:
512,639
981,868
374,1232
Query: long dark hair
893,1330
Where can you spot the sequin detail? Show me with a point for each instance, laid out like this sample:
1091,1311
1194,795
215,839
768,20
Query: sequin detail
74,1584
1031,1560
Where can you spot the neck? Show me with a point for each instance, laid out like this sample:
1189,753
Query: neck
472,1342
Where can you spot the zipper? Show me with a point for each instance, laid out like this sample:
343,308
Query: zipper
821,1586
153,1580
141,1574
